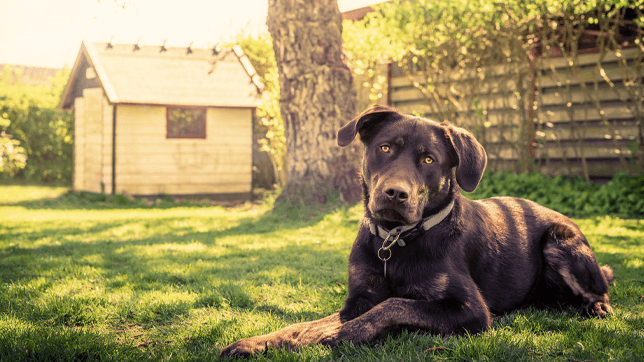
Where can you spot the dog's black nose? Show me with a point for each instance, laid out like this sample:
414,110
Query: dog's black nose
397,194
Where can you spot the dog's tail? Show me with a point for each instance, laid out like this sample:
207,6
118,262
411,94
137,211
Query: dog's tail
608,274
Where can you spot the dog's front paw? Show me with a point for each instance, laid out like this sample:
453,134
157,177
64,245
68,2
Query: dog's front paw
245,347
599,309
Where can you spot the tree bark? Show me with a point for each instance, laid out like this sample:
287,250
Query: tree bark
317,98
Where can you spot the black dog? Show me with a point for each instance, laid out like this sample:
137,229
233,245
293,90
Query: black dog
426,257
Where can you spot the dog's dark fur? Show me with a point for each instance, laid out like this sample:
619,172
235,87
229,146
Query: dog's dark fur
486,257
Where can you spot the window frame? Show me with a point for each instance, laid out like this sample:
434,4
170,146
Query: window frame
202,128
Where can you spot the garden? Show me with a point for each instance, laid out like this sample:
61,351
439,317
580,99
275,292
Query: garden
102,277
111,277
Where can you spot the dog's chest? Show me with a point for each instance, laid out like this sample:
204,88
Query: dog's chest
415,273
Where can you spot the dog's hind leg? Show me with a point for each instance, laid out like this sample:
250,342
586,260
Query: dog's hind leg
572,272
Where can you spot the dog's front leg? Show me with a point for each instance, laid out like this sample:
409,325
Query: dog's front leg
434,316
323,331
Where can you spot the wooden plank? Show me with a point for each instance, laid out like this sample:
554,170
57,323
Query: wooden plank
146,150
167,156
577,96
406,91
588,59
458,75
230,116
185,178
184,163
553,114
565,132
79,144
562,77
550,97
567,152
93,150
489,102
171,166
580,114
183,189
587,133
222,138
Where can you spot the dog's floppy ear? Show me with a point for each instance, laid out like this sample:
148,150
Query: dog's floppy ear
471,157
369,117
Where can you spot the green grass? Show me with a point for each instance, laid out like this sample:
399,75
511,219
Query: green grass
83,278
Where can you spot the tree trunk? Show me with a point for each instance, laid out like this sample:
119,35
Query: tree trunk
317,98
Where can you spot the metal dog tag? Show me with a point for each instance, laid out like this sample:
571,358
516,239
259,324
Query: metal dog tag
401,242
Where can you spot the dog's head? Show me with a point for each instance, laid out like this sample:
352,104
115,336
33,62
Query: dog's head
410,163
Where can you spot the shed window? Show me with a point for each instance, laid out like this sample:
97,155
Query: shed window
186,122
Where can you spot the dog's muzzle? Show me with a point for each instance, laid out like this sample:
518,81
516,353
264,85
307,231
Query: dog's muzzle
395,201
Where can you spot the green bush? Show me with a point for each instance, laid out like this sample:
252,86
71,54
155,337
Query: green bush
43,132
268,122
623,195
13,158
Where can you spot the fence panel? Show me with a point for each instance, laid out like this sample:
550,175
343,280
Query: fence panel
586,112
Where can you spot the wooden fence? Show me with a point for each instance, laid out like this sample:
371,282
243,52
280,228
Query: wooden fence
574,117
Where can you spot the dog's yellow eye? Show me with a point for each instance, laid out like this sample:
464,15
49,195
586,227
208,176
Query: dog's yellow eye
429,160
385,148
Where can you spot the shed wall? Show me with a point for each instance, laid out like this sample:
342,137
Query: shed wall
92,142
148,163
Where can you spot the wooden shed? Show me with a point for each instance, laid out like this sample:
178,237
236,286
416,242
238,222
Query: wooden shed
153,120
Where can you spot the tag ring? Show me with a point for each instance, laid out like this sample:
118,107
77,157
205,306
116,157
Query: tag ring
381,258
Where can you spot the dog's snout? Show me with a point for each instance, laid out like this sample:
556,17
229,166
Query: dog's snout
397,193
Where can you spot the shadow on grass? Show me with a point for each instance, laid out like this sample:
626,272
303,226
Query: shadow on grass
32,343
217,266
82,200
283,217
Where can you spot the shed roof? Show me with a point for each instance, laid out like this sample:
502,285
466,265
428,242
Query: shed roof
133,74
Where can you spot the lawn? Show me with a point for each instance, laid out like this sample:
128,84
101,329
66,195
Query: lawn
85,278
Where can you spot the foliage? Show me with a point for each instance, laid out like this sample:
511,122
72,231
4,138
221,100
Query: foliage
459,53
623,195
268,118
12,157
45,134
180,283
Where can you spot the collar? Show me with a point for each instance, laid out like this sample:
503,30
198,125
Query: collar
411,232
